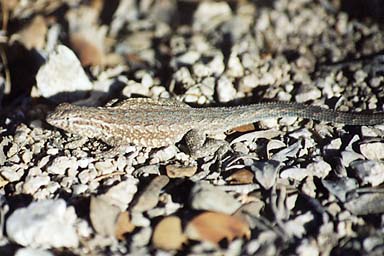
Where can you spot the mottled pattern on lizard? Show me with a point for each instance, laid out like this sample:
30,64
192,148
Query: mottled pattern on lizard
156,123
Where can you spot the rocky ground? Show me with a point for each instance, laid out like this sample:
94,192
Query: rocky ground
288,186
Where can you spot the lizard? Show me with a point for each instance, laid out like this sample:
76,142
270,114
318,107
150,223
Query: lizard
157,123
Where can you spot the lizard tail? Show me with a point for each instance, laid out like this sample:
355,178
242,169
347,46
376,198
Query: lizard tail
285,109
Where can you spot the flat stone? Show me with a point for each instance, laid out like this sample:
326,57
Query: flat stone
149,198
205,196
373,150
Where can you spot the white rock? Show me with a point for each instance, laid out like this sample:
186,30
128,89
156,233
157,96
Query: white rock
79,189
43,224
12,151
149,196
201,70
165,154
105,167
248,82
369,131
32,184
133,87
369,171
103,215
208,86
142,237
87,175
183,76
217,64
139,220
188,58
225,89
32,252
295,173
52,151
295,227
275,144
301,133
84,162
340,187
333,145
210,14
121,194
147,80
62,74
269,123
290,151
207,197
11,173
307,93
307,249
235,68
62,164
319,169
27,156
266,172
373,151
360,76
348,157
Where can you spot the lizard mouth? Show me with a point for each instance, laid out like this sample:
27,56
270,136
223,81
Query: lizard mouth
50,119
54,121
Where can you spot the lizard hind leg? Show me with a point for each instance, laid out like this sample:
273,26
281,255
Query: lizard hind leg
200,146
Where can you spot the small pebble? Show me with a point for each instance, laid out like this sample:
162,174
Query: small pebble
225,90
32,184
62,164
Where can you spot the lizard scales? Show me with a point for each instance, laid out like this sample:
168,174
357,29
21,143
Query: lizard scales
156,123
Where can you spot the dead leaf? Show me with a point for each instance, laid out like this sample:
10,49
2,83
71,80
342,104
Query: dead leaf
168,234
214,227
123,225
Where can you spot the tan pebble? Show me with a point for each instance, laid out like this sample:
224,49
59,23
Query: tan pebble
242,176
176,171
168,234
214,227
123,225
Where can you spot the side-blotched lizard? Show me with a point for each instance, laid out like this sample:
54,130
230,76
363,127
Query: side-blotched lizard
157,123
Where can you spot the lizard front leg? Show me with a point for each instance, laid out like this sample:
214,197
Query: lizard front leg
199,145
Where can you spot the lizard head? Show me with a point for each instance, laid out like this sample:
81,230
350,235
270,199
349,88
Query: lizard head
69,118
61,116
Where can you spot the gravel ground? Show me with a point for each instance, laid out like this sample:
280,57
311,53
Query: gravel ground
288,186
